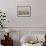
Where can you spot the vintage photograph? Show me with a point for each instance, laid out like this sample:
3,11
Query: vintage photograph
23,11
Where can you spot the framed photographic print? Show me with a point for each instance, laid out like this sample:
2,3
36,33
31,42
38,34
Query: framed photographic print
23,11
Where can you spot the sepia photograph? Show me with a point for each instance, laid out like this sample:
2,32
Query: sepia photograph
23,11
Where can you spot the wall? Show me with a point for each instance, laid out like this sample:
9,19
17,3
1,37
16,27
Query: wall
38,13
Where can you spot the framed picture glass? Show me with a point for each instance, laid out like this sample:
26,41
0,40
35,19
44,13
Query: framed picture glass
23,11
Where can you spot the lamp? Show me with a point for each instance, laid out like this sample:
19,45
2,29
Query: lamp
7,30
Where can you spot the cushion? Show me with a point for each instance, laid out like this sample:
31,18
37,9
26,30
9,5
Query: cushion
26,39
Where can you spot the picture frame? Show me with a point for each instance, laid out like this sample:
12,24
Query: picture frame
23,11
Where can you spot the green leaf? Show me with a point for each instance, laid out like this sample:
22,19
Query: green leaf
0,21
3,19
0,12
2,26
4,13
4,16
